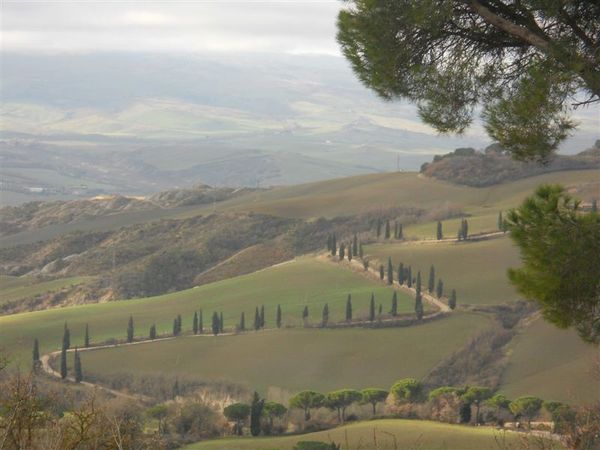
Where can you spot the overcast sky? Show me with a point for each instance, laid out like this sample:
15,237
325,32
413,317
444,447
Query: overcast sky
173,26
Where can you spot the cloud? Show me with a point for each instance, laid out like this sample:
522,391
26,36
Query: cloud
177,26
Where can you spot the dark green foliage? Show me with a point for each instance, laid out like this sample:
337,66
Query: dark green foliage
349,253
325,316
409,280
401,274
439,233
200,323
419,298
152,333
511,58
390,272
195,323
527,407
378,228
431,282
408,390
342,251
333,245
381,272
272,410
394,309
476,395
355,245
349,308
66,342
63,363
560,251
238,413
315,445
256,408
500,222
374,396
77,367
307,400
130,329
340,400
372,308
463,231
256,319
242,325
395,230
328,242
216,323
387,229
465,413
175,327
361,253
175,391
379,310
452,300
36,351
305,313
86,336
278,317
439,291
400,232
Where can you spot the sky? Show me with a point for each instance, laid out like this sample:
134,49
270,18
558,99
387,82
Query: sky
278,26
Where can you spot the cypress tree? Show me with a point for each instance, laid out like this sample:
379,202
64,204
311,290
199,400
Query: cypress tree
372,308
409,280
342,251
360,251
333,245
77,367
216,325
380,310
243,322
325,315
66,343
394,310
305,314
349,309
465,229
36,352
175,331
419,298
500,222
256,409
179,323
401,273
378,228
387,229
256,319
329,242
440,234
130,329
349,253
355,245
278,317
176,390
195,323
221,323
152,333
381,272
431,283
400,232
440,288
390,272
262,316
452,301
395,230
63,363
200,323
86,337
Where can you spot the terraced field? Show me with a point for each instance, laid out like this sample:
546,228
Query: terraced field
389,435
304,282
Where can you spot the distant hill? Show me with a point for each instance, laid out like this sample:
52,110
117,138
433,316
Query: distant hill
492,166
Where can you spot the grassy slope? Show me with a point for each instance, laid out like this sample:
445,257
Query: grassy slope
409,434
14,288
552,364
303,282
296,359
477,270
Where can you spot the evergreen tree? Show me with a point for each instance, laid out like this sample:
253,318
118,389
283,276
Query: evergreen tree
394,310
278,318
419,298
77,367
66,343
329,242
176,391
440,234
390,272
465,229
86,337
179,324
381,272
262,316
349,308
452,301
333,245
63,363
200,323
500,222
378,228
360,251
349,253
342,251
195,323
130,329
459,235
355,245
380,310
152,333
387,229
256,409
409,281
431,283
243,322
36,352
401,274
396,230
175,328
440,288
305,314
372,308
221,323
325,319
400,232
256,319
216,323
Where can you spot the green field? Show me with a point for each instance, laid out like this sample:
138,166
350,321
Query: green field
15,288
305,281
408,434
553,364
477,270
296,359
